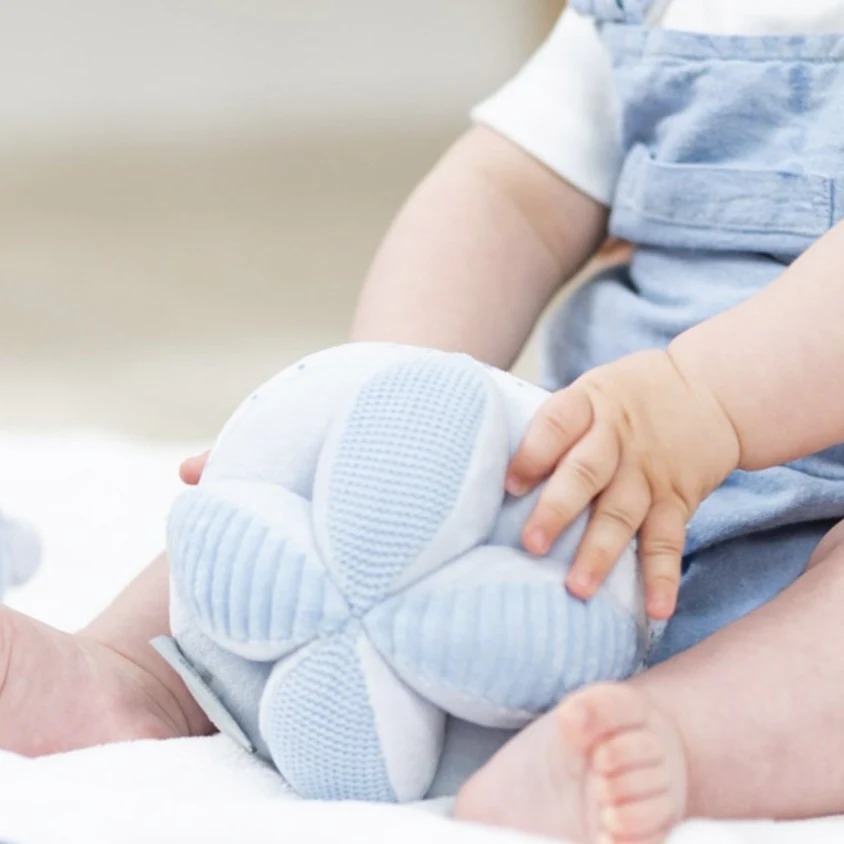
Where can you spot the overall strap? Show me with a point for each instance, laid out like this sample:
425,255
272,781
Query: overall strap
618,11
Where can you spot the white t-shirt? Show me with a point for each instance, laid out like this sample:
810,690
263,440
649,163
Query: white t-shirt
561,107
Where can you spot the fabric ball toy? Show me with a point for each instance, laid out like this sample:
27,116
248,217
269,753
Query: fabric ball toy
348,573
20,553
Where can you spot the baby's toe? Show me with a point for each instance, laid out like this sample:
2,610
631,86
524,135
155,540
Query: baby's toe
627,751
638,819
592,715
632,785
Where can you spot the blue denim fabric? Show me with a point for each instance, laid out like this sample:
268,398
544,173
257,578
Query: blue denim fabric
630,11
734,165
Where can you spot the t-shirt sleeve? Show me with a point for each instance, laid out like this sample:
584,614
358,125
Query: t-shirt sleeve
562,108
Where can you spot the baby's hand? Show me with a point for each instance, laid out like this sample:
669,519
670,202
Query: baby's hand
643,441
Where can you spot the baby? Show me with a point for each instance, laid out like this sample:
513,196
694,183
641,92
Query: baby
686,381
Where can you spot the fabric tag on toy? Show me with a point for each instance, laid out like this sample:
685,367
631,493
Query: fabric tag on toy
201,691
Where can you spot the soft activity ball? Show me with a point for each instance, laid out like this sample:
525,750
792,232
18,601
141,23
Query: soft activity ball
348,573
20,553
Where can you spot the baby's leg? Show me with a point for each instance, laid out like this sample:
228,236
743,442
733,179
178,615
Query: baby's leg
748,724
61,692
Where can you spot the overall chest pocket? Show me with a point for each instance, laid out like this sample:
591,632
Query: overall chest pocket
706,206
731,143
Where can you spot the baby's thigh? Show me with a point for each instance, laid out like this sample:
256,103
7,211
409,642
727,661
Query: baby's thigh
831,545
726,581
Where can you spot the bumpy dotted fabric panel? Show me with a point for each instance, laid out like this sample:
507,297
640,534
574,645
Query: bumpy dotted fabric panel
321,729
399,468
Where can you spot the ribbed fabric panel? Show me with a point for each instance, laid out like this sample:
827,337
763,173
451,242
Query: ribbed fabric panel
517,646
254,591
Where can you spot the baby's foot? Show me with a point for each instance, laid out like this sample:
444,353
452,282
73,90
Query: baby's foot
62,692
605,766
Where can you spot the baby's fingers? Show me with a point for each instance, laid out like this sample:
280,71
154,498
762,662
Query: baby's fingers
616,518
661,542
561,421
579,477
191,469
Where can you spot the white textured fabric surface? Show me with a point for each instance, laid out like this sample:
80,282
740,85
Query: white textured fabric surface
561,107
100,503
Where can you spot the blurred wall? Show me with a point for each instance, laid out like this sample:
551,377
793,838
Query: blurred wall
162,66
192,189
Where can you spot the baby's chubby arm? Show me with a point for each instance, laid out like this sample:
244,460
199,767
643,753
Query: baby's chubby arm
649,436
477,251
474,255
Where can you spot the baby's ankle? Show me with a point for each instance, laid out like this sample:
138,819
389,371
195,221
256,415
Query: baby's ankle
156,687
62,692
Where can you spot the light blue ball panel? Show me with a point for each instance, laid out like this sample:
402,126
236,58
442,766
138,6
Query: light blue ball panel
399,467
253,589
237,682
499,651
511,519
514,514
319,726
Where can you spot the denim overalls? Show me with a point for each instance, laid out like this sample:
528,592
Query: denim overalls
733,151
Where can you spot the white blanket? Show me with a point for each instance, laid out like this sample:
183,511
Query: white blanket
100,503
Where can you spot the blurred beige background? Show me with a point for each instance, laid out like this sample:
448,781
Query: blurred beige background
192,189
